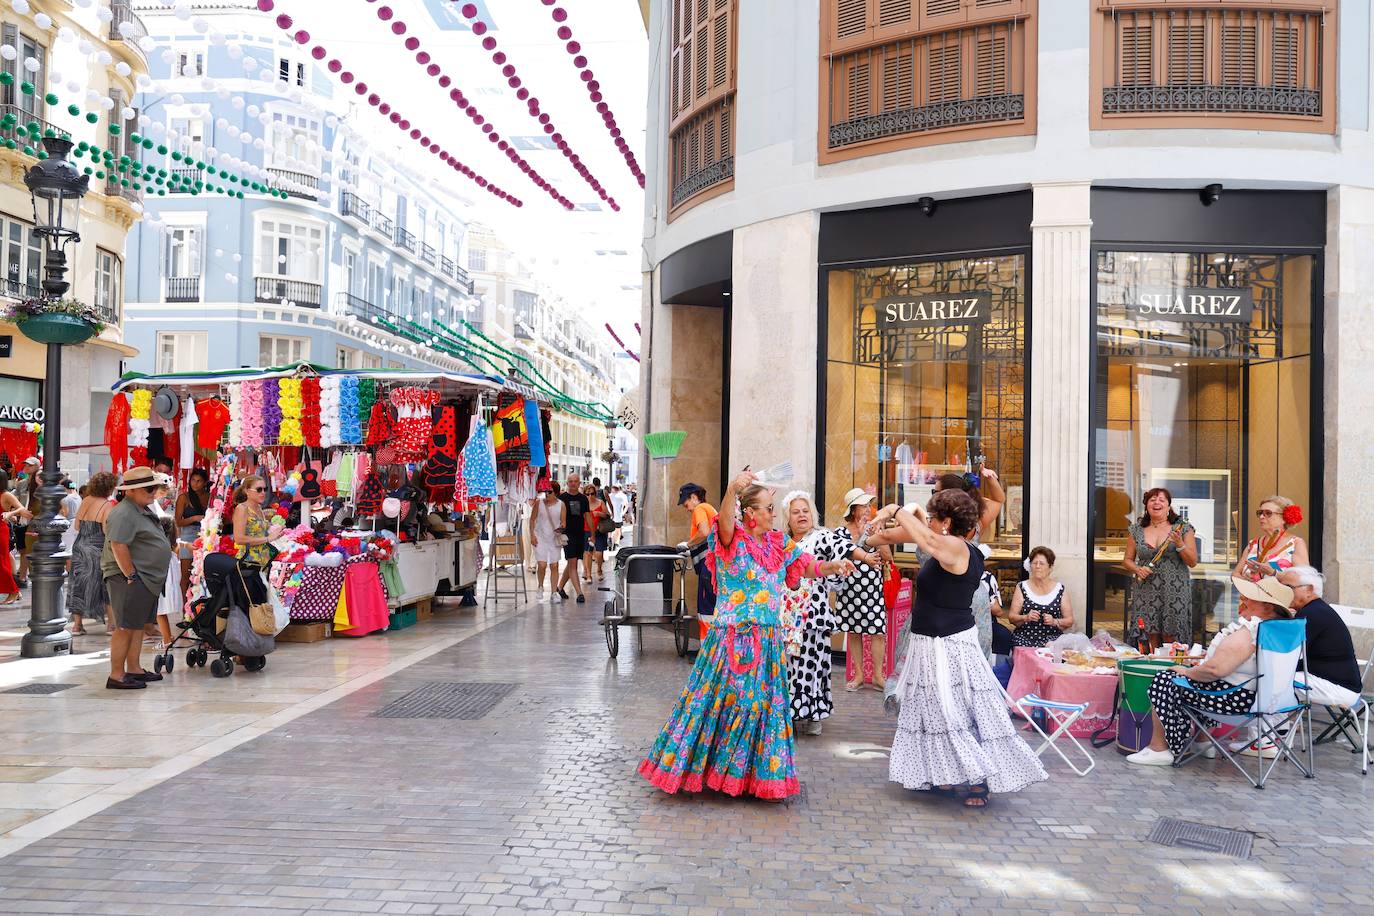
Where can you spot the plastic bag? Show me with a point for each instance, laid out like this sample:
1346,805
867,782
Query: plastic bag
896,679
280,612
1103,642
1069,642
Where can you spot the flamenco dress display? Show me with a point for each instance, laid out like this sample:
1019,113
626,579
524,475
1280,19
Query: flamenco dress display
731,730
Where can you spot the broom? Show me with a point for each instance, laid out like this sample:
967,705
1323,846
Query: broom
663,447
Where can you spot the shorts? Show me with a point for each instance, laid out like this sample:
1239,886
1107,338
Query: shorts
601,542
576,546
135,605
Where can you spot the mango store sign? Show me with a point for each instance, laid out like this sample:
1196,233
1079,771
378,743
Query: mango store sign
17,414
1193,304
955,309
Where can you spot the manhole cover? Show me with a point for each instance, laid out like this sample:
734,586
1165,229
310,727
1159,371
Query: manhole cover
1170,831
42,689
439,700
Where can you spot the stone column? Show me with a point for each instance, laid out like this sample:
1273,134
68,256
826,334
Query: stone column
1348,352
773,346
1060,413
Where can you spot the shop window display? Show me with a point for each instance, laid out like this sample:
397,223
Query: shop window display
925,375
1203,386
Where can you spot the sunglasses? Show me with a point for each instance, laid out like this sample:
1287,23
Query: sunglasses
259,490
1264,513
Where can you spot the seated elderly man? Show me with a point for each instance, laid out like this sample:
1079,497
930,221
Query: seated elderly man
1333,674
1230,662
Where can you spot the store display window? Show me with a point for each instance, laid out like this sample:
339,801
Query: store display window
925,375
1203,385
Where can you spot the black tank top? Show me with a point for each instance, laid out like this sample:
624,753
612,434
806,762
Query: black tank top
944,601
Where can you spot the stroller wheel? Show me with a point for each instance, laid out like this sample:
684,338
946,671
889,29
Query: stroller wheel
171,662
157,664
221,667
256,663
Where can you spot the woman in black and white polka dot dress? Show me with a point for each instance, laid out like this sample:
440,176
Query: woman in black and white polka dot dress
859,608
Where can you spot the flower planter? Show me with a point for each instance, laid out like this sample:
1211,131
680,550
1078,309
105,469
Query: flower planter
57,328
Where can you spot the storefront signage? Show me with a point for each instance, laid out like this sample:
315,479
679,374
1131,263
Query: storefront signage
955,309
1200,304
16,414
6,346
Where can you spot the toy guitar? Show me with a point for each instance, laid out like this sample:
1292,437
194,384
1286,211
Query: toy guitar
310,481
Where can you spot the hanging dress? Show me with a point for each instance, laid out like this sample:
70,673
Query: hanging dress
479,463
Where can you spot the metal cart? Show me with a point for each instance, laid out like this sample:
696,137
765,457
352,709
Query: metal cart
645,595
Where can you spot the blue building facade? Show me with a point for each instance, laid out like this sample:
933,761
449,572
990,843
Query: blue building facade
215,282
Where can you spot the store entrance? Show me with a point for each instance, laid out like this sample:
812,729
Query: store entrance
1203,386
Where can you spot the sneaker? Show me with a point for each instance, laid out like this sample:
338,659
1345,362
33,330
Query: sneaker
811,726
1206,749
124,683
1266,750
1150,758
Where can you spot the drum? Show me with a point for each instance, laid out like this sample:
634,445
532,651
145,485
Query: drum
1134,730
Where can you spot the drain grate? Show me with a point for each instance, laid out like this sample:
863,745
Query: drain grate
438,700
1170,831
41,689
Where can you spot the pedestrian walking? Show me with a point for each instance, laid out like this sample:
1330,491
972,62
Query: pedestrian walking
547,518
859,607
954,735
87,596
731,730
135,562
1159,552
12,509
575,529
598,521
809,667
692,497
620,505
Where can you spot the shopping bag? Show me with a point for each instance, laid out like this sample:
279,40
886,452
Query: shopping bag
281,614
241,639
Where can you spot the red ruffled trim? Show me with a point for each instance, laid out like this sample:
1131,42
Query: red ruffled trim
719,782
768,550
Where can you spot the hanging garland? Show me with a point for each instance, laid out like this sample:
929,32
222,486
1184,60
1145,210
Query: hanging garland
574,48
480,27
302,37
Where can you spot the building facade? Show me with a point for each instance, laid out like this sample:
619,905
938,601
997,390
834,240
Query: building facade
524,313
1104,245
47,41
358,243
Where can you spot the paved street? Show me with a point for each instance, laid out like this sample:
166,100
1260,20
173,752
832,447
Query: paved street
536,806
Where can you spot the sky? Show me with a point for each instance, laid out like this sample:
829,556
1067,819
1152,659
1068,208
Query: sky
588,257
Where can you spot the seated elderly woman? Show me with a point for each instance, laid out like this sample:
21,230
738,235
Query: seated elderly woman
1230,662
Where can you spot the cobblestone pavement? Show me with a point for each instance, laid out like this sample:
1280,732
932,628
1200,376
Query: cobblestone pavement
537,806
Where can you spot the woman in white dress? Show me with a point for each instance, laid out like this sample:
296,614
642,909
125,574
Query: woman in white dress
547,518
954,735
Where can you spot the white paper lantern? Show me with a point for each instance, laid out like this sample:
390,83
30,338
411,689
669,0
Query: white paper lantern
21,6
43,21
103,14
123,69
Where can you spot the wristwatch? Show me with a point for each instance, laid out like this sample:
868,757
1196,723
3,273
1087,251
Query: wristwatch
132,577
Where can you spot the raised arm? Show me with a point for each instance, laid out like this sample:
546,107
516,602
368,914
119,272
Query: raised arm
950,551
994,498
725,522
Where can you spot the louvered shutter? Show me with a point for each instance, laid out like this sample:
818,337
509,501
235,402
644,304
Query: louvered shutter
944,69
991,65
1285,69
1187,64
720,59
894,19
857,82
1136,54
899,79
1239,55
940,13
853,22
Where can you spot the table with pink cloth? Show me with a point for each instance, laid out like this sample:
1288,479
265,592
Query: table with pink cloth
1035,673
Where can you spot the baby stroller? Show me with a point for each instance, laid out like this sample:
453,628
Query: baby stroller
228,589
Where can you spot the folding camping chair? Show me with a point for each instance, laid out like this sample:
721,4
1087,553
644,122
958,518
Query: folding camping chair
1280,649
1351,722
1059,716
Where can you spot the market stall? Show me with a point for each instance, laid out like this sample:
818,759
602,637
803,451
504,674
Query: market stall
377,478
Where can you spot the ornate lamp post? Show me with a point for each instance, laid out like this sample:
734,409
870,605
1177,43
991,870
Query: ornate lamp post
609,456
57,187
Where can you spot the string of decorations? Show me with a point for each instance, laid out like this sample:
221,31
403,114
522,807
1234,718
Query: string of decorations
346,77
480,27
580,63
616,337
465,105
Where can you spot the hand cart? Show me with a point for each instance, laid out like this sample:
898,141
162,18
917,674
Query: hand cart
644,595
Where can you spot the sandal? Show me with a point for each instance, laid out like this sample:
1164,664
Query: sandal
976,796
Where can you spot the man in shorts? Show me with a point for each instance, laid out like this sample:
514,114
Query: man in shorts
575,527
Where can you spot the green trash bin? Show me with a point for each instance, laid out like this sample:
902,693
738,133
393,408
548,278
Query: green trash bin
1133,729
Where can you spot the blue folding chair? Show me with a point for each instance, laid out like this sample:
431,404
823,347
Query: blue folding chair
1279,713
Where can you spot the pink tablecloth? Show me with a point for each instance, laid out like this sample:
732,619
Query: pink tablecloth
1033,673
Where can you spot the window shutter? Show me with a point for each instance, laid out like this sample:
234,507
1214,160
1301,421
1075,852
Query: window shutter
1239,55
11,38
675,86
898,81
990,66
1137,55
1187,55
720,49
900,15
943,65
1284,60
859,91
40,79
937,13
703,48
853,25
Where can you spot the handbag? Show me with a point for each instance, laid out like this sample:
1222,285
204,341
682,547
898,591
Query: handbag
892,587
261,615
241,639
605,525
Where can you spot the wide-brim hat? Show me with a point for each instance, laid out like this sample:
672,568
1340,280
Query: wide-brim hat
137,478
1268,590
858,497
165,403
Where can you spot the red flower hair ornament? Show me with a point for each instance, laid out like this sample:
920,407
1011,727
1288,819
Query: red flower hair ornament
1292,515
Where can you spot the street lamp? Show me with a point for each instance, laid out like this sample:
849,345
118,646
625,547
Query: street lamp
609,456
57,188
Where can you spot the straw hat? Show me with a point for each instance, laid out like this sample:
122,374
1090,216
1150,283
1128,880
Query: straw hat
857,497
1268,590
137,478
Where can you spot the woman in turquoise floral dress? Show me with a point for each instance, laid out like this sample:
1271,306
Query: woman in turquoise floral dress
731,730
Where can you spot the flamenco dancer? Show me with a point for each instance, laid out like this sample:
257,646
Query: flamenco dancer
954,735
731,730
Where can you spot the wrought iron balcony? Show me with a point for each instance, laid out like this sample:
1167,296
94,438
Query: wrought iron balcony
383,224
448,266
428,254
183,289
123,12
108,311
291,182
186,177
283,289
27,118
15,288
351,204
357,306
405,239
114,187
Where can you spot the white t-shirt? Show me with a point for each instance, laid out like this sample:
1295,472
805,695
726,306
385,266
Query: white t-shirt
619,503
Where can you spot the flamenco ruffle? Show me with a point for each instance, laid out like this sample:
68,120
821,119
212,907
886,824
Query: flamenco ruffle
768,550
716,781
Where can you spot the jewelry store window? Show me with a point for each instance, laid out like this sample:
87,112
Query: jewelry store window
925,376
1203,386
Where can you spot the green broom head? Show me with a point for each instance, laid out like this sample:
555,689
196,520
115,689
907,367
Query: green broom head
664,446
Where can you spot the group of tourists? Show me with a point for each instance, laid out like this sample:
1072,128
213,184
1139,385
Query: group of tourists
577,525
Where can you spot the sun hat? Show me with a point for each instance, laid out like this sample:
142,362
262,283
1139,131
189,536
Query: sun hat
1268,590
857,497
137,478
165,403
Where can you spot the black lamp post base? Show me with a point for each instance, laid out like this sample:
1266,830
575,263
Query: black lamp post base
46,646
48,634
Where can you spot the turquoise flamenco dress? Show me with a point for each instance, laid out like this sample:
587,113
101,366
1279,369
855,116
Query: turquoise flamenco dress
731,730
